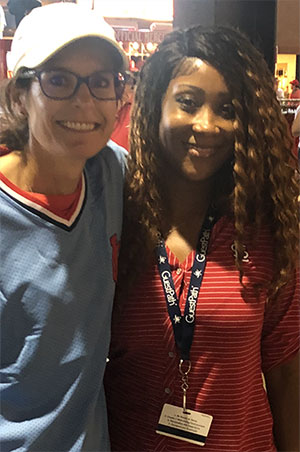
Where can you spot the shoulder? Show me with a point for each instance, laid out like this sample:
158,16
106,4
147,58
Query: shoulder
106,170
111,157
114,152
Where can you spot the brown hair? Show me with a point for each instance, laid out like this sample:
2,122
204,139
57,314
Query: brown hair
260,186
14,124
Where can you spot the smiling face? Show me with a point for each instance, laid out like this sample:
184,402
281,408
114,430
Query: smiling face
196,127
75,128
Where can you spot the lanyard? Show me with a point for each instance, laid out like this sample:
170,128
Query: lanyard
184,325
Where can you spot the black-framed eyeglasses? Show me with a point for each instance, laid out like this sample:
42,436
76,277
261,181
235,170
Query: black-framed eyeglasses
61,84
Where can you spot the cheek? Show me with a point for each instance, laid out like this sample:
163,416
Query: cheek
40,111
109,112
229,135
171,127
41,125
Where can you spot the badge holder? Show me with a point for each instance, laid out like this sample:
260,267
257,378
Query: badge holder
179,423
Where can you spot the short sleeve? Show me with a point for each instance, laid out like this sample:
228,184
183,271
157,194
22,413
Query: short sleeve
281,328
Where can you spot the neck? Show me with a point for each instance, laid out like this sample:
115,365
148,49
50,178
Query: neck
186,201
44,175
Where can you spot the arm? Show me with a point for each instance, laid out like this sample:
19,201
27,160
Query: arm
296,124
283,393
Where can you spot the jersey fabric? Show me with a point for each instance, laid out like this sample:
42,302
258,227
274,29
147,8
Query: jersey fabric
56,292
237,337
61,205
121,130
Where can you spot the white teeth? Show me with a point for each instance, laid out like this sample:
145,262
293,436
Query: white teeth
85,126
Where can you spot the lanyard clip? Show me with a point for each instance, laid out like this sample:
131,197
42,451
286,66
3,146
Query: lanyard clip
184,373
188,364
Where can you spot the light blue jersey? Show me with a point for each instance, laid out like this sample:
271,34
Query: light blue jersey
56,293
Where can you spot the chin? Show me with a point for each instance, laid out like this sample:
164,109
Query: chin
88,150
193,175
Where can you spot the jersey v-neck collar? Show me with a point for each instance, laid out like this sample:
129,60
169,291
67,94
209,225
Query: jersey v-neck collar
46,207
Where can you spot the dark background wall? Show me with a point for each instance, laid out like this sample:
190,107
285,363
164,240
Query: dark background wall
256,18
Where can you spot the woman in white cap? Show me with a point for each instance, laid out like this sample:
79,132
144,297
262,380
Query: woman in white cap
61,208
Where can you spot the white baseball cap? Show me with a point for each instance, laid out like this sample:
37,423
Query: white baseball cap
48,29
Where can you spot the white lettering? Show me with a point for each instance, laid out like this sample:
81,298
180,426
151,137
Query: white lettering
192,299
170,293
189,318
245,256
200,257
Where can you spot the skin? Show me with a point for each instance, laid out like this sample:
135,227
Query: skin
196,134
296,125
283,393
197,110
54,158
196,127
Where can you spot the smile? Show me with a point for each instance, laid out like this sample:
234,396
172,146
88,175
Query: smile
201,151
79,126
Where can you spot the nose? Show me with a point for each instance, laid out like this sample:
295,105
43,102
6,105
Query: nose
82,94
204,121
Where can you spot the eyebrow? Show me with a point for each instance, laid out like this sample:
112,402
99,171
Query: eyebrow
62,68
222,94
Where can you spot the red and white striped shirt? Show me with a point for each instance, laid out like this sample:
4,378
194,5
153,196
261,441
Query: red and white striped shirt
236,338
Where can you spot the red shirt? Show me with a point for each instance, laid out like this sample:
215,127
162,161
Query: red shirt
237,336
295,94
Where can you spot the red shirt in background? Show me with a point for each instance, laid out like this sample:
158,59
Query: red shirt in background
295,94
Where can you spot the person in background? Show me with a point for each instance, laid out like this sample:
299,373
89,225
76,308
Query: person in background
121,129
296,128
208,295
279,91
295,93
61,216
20,8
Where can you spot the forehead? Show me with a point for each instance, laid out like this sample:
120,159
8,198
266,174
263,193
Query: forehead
200,74
84,55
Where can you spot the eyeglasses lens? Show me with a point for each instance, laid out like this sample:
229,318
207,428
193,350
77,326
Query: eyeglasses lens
102,86
59,84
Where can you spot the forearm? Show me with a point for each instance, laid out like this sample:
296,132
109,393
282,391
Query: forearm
283,394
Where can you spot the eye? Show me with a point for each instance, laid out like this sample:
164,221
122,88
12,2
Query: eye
100,80
227,111
186,102
58,79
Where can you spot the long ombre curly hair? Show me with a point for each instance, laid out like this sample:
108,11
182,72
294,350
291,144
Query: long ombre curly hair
260,185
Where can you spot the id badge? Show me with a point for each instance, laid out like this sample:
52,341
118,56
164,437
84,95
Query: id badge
190,426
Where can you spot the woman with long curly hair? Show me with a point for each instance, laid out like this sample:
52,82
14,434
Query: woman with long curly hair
207,300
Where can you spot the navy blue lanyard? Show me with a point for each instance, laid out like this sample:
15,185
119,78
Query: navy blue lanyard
184,325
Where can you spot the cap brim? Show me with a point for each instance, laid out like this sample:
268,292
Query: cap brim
34,60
